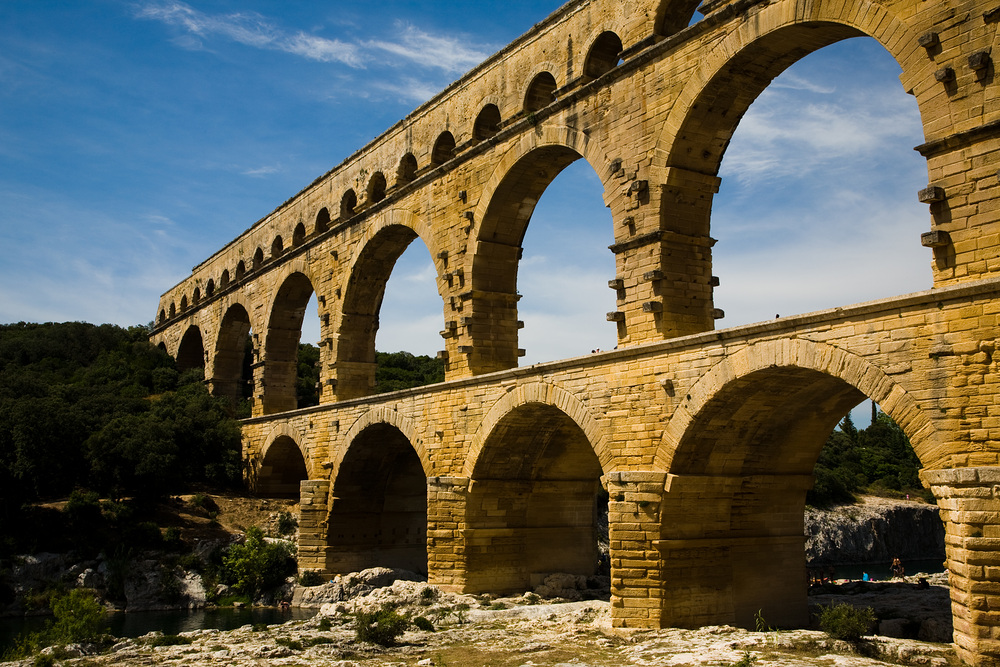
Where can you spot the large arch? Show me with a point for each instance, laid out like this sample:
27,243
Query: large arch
281,339
371,267
378,503
228,377
283,465
191,351
502,217
535,498
740,451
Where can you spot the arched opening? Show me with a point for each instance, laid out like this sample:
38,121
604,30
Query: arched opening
258,259
234,358
603,56
674,15
534,504
298,235
184,303
163,316
281,470
569,234
241,270
444,149
407,169
739,478
322,220
196,297
277,247
378,510
831,143
540,93
210,287
347,204
224,279
391,295
173,309
191,352
281,346
376,188
487,123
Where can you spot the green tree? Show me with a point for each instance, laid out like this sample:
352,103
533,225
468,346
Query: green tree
257,565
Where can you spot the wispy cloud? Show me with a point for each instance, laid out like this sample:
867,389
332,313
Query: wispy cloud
250,29
266,170
447,53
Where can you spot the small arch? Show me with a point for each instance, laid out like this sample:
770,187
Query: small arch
347,204
241,270
173,309
277,247
541,92
322,220
258,259
299,235
407,169
674,15
196,297
224,279
163,315
281,469
376,188
487,123
444,149
184,303
603,56
210,287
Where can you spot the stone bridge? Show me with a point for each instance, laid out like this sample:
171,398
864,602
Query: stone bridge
701,442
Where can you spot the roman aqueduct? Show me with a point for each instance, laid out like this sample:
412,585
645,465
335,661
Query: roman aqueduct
704,440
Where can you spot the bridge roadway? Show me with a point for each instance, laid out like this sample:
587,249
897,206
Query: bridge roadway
702,441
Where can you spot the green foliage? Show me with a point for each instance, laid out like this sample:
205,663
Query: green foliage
402,370
747,660
380,627
256,565
307,376
288,642
312,578
878,459
842,621
99,407
423,624
77,617
287,523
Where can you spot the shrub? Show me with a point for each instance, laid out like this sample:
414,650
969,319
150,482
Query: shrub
288,642
842,621
423,624
78,617
312,578
256,565
380,627
287,524
324,624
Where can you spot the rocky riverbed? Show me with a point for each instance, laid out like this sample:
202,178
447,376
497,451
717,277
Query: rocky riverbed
514,632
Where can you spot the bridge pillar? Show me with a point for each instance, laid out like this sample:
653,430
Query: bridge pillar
969,499
446,500
314,496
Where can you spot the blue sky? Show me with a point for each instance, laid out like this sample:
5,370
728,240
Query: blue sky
136,138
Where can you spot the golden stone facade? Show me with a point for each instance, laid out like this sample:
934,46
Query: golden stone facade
704,441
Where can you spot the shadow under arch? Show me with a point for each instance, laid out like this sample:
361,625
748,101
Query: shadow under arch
358,321
502,216
191,351
378,498
282,466
229,380
281,339
740,452
535,504
672,16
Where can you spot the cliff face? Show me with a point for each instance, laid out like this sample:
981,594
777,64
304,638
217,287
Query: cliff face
876,530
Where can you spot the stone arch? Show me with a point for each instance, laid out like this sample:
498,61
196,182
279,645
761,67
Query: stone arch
258,258
163,316
286,312
540,93
283,464
277,247
502,216
407,169
299,235
322,220
196,297
603,55
348,203
384,415
744,441
374,257
376,188
547,394
672,16
210,288
173,310
191,351
184,303
231,378
535,495
224,279
444,149
241,270
378,497
487,123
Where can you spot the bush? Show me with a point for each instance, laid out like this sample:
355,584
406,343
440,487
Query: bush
79,617
380,627
287,524
312,578
423,624
842,621
257,565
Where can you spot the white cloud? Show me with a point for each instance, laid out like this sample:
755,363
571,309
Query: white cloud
432,51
